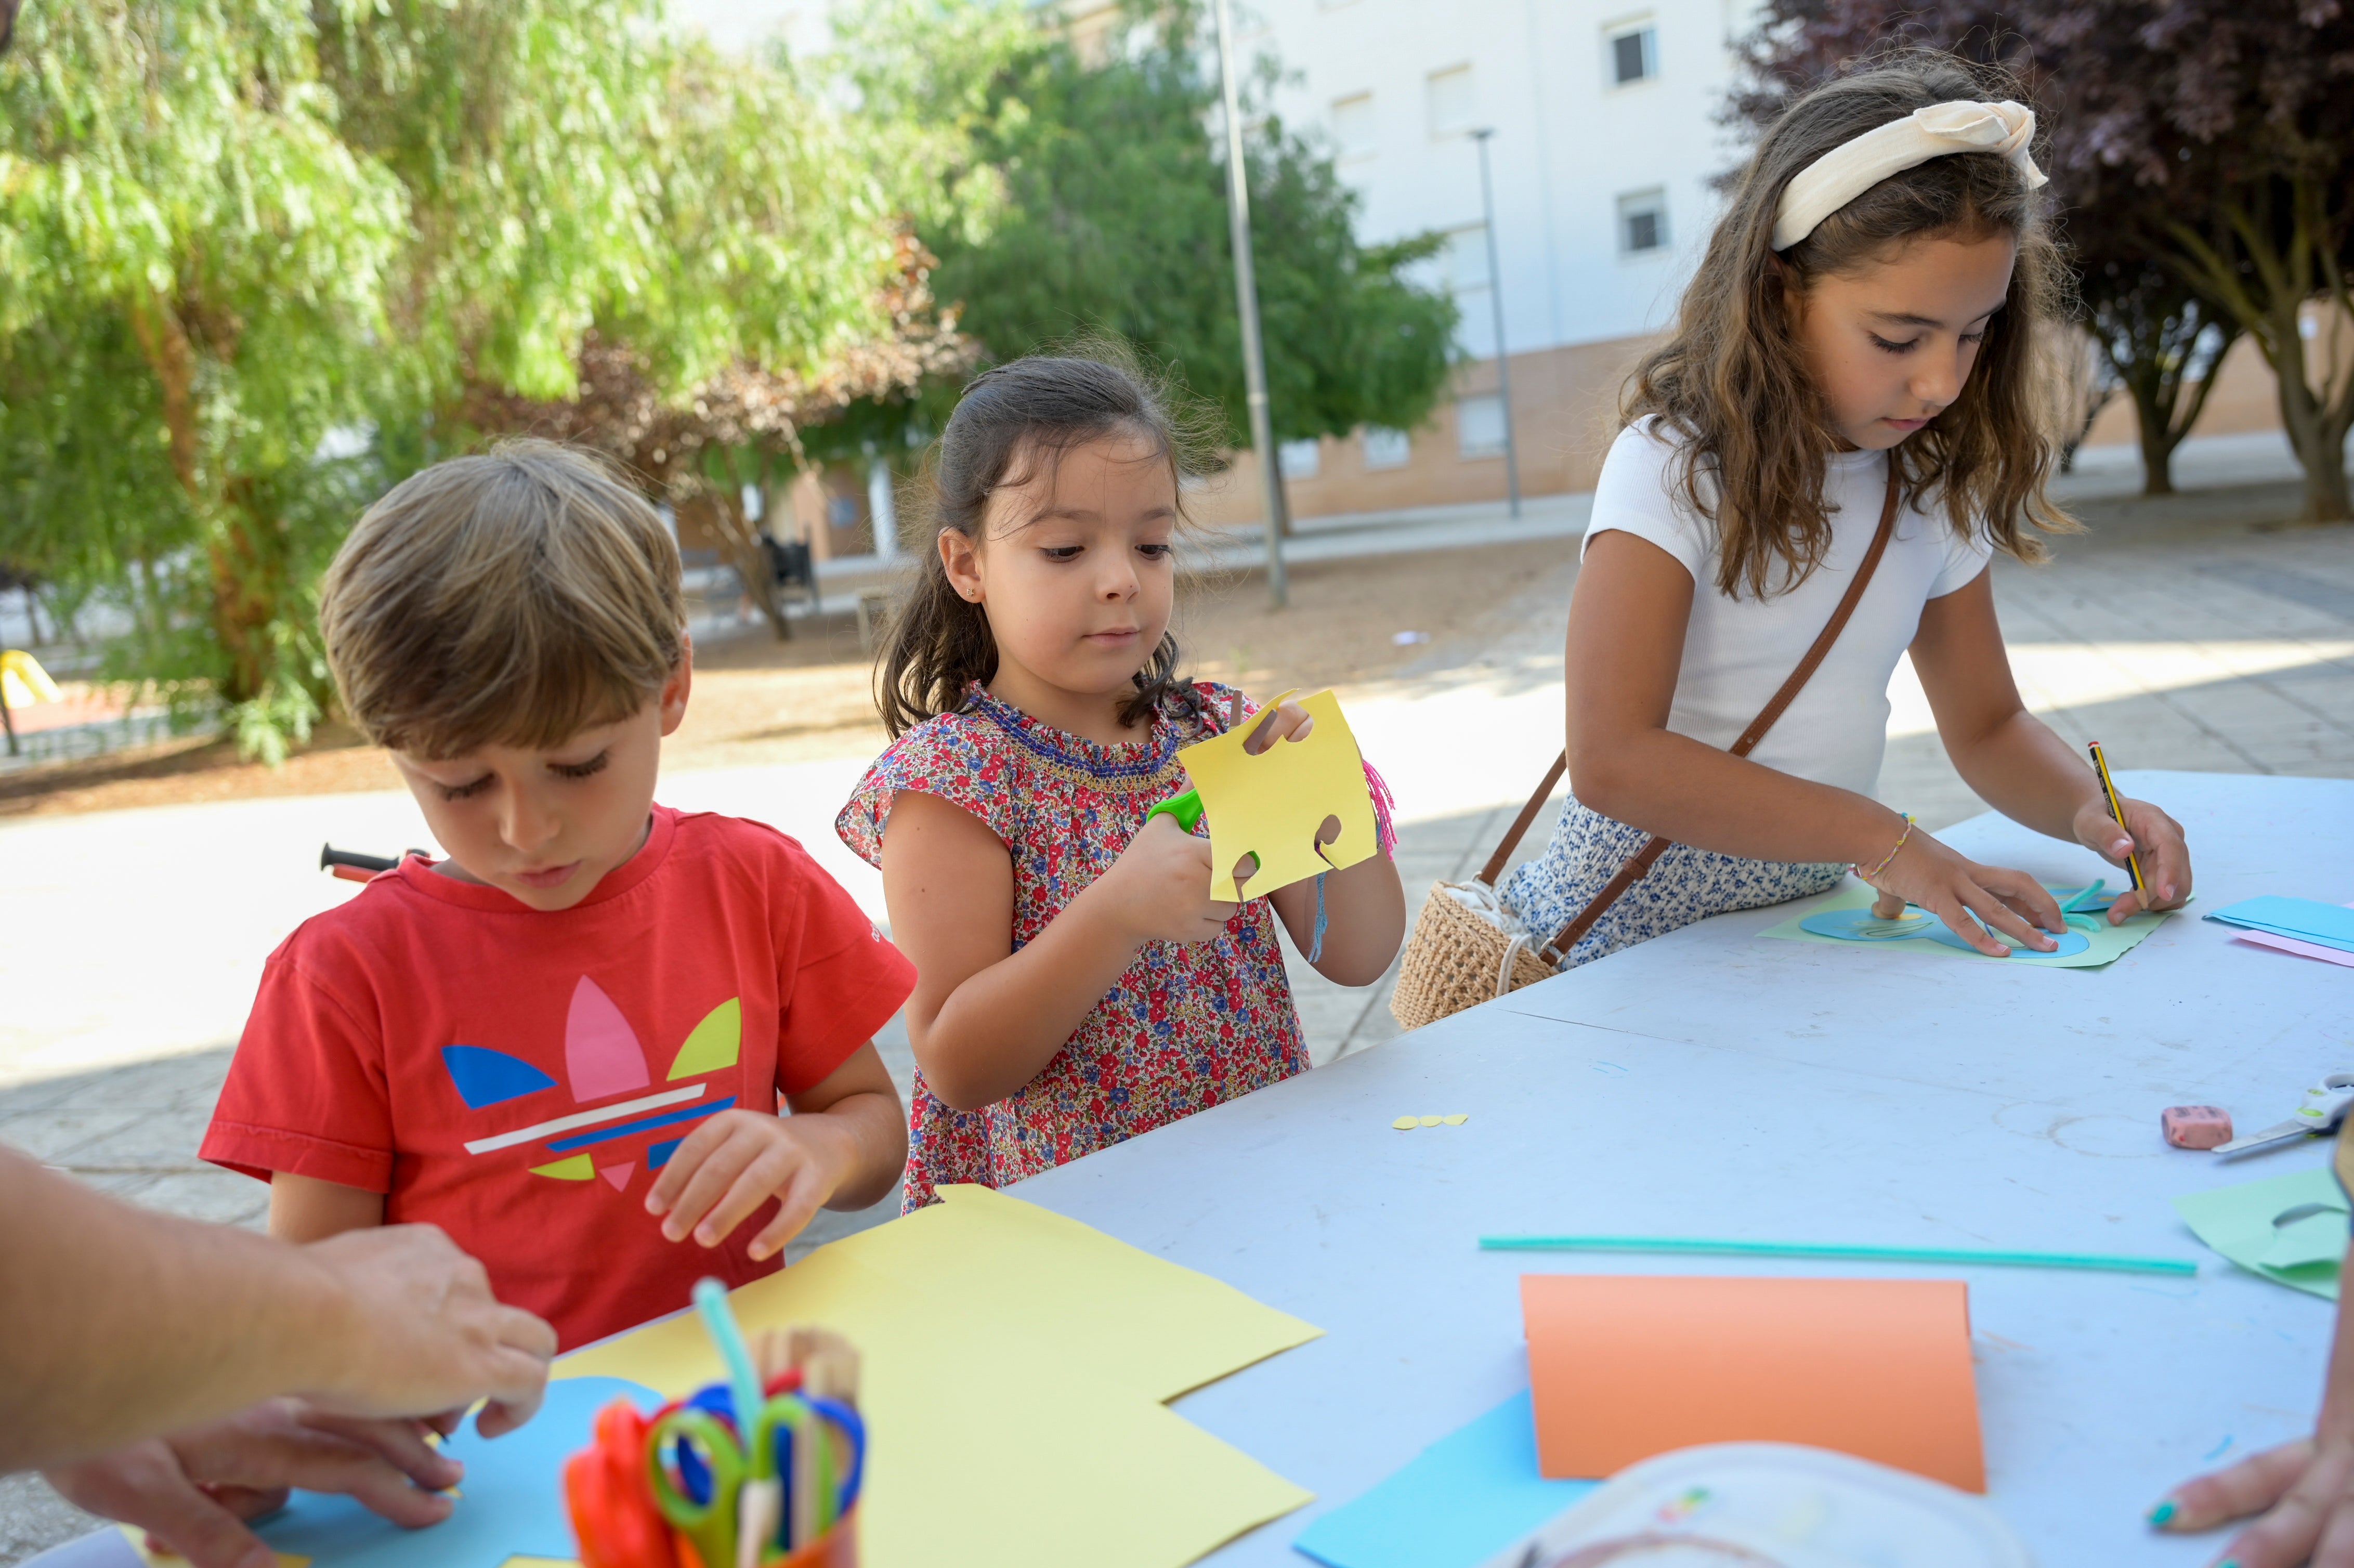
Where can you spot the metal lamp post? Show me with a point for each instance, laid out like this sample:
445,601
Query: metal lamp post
1496,303
1262,425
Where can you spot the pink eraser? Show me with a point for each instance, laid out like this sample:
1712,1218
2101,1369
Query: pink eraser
2196,1126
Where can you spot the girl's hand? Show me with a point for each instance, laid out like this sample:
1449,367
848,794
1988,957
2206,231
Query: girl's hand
2305,1490
2155,837
737,1160
1284,721
1158,889
1926,872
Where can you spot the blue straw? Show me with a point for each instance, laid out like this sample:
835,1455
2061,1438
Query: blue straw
711,1301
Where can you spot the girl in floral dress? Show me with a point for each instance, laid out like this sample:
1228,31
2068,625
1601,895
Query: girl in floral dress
1078,983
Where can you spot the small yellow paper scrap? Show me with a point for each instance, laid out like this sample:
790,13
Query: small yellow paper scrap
1459,1118
1407,1123
1272,805
1432,1120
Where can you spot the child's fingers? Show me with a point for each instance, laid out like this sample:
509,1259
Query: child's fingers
2252,1486
796,1206
768,1174
1998,916
1956,915
705,1185
684,1162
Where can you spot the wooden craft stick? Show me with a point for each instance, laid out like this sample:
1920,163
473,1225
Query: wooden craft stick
1857,1254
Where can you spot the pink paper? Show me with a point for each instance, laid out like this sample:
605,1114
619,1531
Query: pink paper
2303,950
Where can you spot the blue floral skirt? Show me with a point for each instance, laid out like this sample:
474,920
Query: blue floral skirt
1685,885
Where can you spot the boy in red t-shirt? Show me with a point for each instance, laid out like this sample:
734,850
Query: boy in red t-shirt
565,1043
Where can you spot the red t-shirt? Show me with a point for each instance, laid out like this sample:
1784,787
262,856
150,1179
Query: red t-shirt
515,1075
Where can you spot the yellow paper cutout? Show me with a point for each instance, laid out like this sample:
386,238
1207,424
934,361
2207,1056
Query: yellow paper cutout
717,1042
1014,1366
1432,1120
578,1168
138,1540
1271,805
1404,1123
1459,1118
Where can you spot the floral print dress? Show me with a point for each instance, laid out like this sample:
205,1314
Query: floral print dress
1185,1027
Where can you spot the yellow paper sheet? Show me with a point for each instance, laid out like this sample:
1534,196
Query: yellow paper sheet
1271,805
1013,1366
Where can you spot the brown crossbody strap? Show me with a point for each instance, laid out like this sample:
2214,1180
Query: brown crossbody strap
1639,865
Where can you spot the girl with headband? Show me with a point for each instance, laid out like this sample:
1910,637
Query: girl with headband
1850,392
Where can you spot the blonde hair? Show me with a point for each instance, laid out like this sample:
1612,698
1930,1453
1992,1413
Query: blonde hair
518,598
1731,386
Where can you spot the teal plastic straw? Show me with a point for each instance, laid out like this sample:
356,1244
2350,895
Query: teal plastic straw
2083,893
1856,1254
711,1301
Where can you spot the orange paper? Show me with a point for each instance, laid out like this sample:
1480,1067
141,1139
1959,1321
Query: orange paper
1627,1366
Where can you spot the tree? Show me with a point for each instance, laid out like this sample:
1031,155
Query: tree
239,237
1066,197
2219,133
2164,341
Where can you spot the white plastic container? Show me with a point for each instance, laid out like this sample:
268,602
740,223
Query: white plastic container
1769,1505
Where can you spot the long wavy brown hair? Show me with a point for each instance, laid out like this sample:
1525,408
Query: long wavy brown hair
1731,384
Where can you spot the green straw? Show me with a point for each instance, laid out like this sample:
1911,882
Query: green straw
1857,1254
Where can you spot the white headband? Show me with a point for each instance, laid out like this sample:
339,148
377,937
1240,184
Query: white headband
1851,168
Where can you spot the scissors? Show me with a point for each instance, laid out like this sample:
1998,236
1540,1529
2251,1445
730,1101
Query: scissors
700,1465
2323,1109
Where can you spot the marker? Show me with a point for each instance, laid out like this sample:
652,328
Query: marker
2117,810
744,1383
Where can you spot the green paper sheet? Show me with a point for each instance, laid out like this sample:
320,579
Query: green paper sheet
2106,944
2245,1222
1014,1366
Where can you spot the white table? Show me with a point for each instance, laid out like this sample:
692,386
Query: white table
1712,1083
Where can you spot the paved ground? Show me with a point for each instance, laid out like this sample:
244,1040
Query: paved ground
2187,634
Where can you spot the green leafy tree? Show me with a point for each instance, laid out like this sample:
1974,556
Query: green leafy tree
239,237
1067,197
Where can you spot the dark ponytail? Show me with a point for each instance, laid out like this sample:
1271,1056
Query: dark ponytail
1028,412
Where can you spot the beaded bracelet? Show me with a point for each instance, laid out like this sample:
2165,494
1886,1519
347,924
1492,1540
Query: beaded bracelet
1901,839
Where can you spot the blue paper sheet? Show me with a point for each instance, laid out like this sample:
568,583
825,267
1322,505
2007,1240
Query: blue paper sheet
1457,1503
511,1503
2306,919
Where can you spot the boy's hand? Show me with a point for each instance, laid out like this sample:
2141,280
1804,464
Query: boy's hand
1158,889
194,1490
737,1160
2149,832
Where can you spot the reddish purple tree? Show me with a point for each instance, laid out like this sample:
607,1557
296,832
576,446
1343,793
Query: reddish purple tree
2214,138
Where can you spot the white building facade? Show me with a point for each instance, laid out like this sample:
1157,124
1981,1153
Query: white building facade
1607,140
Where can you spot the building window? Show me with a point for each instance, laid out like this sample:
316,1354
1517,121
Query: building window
1353,131
1643,222
1634,54
1385,447
1479,427
1465,258
1454,106
1300,459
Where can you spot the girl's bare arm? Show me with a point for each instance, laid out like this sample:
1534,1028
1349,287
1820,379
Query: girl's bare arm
2014,762
1627,624
985,1020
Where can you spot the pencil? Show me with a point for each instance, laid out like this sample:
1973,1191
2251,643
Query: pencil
1835,1250
2117,810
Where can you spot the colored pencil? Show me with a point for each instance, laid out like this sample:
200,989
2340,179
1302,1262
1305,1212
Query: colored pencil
2117,810
1835,1250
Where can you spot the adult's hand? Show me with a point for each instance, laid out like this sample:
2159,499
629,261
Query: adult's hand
426,1332
2304,1490
193,1491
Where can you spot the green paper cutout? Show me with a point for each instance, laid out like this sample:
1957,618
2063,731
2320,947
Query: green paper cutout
2242,1223
716,1042
2105,943
579,1168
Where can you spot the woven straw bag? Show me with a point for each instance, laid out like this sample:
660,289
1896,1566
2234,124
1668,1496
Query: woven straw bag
1468,948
